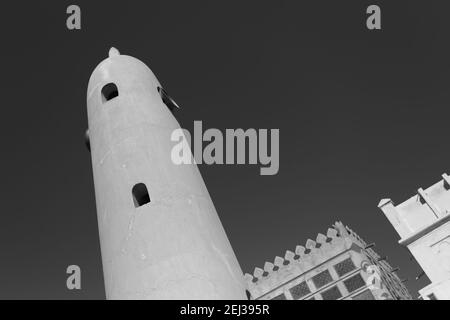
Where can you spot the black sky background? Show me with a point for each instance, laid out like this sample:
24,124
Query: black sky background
363,115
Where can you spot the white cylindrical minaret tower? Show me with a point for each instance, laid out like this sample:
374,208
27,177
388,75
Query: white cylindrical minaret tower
160,235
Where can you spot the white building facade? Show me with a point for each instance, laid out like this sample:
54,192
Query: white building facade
423,223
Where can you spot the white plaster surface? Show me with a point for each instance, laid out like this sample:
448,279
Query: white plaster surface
174,247
423,223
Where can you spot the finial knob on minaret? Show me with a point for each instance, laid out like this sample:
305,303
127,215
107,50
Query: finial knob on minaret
113,52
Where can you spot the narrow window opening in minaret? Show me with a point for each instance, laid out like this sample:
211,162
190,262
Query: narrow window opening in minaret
109,91
140,195
167,100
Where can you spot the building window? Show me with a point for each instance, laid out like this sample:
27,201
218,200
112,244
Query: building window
446,185
140,195
421,199
354,283
344,267
365,295
109,91
279,297
300,290
331,294
322,279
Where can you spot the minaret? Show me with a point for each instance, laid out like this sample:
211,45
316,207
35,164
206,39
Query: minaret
160,234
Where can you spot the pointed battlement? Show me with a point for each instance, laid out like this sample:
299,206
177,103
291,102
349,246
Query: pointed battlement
275,279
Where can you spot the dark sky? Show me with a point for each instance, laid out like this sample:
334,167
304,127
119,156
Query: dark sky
363,115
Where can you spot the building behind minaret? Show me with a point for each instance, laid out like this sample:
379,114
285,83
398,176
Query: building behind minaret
423,223
336,266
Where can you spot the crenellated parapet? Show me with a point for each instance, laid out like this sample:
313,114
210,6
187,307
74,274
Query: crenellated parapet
305,257
332,266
